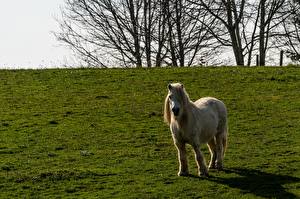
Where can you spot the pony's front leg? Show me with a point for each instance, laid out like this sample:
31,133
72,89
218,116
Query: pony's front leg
200,162
183,164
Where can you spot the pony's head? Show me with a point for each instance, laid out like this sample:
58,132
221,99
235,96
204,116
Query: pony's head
175,101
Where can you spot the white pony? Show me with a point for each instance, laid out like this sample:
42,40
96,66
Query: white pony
195,123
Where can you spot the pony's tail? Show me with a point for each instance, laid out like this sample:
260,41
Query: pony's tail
225,139
167,115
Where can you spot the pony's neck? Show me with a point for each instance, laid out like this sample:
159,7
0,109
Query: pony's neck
184,116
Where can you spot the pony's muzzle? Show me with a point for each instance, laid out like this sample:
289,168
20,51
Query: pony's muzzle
175,111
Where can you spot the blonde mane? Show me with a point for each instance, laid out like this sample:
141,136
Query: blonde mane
167,114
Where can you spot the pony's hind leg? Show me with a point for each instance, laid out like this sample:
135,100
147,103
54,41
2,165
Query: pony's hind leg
183,164
200,162
220,151
213,153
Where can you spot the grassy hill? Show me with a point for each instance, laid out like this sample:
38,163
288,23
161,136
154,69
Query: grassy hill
89,133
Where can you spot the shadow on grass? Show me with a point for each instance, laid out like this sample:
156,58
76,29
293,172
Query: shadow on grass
259,183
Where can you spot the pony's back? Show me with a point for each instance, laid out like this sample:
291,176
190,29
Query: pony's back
212,103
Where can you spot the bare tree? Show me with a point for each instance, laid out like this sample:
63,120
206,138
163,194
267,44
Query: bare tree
160,31
270,18
290,41
148,16
136,32
229,14
95,28
251,26
190,39
249,30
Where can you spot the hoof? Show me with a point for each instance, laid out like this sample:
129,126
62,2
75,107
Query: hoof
181,173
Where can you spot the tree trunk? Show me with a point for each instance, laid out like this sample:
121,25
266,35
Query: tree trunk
178,10
238,54
233,29
170,29
161,31
262,55
253,40
147,30
135,35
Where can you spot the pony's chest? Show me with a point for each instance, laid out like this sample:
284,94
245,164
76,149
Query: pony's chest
181,134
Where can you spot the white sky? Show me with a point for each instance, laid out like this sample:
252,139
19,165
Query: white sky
26,40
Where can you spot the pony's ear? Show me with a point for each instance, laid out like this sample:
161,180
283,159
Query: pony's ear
169,86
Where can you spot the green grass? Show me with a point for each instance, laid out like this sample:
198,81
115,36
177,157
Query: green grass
91,133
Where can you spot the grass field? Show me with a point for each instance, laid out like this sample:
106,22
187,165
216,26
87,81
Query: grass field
90,133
